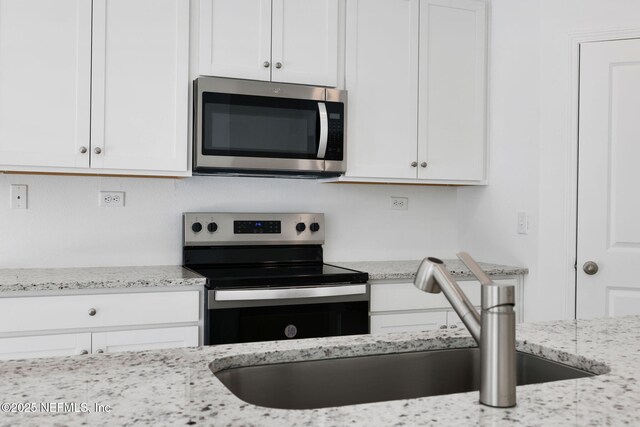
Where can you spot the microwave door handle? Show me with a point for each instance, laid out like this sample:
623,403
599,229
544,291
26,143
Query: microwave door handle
324,130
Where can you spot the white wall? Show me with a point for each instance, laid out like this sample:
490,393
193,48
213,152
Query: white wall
64,227
530,146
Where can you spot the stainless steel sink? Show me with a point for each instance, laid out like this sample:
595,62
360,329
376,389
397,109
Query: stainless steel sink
366,379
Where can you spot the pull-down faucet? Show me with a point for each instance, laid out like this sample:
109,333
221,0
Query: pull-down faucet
494,330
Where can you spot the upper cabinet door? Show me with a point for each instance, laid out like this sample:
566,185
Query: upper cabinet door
235,39
382,80
451,131
140,84
305,42
45,71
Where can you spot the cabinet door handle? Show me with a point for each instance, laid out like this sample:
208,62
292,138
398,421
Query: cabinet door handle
266,64
92,312
278,65
83,352
414,164
97,150
100,351
83,150
443,326
423,164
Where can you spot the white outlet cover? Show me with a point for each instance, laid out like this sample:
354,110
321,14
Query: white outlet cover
399,203
111,199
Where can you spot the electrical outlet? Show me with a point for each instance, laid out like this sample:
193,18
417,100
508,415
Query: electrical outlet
18,196
112,199
523,223
399,203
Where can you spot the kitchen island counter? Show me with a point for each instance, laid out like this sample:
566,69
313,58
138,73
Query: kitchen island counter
177,387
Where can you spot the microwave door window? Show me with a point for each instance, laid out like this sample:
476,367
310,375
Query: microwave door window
248,126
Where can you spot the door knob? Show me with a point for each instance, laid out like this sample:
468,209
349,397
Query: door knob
590,268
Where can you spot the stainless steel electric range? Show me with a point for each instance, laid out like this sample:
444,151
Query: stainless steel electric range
266,279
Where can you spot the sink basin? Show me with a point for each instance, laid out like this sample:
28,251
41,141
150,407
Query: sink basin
366,379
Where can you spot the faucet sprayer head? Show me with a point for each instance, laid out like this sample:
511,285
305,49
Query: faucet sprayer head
425,279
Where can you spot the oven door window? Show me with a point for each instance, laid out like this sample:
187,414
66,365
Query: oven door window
252,126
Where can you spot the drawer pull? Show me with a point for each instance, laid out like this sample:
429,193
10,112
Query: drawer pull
92,312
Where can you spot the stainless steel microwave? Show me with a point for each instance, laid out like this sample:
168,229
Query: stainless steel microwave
245,127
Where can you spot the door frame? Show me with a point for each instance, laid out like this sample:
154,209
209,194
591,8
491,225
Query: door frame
571,185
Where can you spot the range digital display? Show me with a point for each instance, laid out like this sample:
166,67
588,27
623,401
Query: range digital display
257,227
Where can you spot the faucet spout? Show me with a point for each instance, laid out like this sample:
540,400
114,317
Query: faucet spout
433,277
494,330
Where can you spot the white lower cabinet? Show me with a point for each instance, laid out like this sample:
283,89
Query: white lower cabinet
44,346
407,322
400,307
98,323
144,339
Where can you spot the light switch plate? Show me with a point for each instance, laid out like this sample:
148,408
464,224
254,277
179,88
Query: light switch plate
523,223
18,196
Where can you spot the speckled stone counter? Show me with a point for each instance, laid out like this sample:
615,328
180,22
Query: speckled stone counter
393,270
177,387
49,279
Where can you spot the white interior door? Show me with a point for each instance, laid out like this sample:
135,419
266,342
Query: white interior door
45,82
608,196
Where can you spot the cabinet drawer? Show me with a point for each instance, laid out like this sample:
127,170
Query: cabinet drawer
67,312
405,296
405,322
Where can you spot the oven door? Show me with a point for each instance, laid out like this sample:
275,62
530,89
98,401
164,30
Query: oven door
236,316
244,125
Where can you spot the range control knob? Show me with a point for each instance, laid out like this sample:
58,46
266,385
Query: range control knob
196,227
300,227
212,227
314,227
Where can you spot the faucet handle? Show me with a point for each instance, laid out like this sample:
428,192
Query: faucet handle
473,266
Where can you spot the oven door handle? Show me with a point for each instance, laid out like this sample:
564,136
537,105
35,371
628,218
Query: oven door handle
288,293
324,130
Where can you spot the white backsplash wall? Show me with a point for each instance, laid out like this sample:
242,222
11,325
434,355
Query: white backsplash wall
64,226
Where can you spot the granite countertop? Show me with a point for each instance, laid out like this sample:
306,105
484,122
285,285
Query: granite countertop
49,279
52,279
177,387
392,270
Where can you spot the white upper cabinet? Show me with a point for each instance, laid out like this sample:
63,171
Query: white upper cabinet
235,39
382,80
451,125
305,42
140,84
45,73
94,86
292,41
415,72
